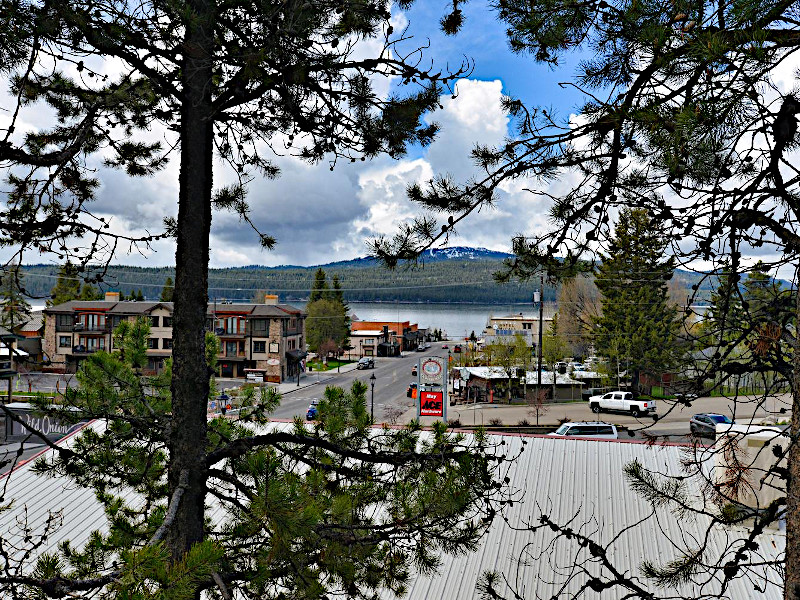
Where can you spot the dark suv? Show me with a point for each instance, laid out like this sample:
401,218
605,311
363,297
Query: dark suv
706,423
367,362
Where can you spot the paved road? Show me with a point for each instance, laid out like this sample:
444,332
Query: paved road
392,376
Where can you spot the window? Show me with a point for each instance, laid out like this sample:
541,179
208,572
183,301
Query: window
231,348
116,320
259,325
65,320
166,321
154,321
166,343
259,347
93,343
64,341
152,343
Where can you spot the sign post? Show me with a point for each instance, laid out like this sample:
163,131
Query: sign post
432,388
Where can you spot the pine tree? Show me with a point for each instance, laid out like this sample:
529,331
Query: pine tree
167,290
67,287
319,289
191,70
90,292
637,328
14,307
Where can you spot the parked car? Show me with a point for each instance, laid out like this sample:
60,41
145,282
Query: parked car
620,401
591,429
445,346
366,362
411,390
414,370
685,396
706,423
421,348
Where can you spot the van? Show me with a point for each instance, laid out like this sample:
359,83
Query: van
596,430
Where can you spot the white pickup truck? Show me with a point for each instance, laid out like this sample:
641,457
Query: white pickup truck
620,401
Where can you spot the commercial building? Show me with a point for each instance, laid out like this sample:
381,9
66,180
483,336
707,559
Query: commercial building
384,338
504,328
266,340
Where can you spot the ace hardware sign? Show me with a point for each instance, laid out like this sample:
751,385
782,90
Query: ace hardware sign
431,404
432,386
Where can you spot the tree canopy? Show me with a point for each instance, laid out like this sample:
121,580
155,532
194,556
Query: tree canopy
637,326
231,83
688,113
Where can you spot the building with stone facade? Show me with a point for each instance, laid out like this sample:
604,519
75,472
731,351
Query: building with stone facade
264,341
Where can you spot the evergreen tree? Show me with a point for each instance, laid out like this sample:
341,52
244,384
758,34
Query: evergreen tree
319,289
67,287
554,346
225,81
90,292
14,307
139,296
167,290
338,293
637,328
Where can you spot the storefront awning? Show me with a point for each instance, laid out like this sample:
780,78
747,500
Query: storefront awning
296,355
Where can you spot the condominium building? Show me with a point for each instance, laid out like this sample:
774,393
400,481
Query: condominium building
261,340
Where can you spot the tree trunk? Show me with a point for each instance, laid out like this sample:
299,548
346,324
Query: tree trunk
190,377
792,576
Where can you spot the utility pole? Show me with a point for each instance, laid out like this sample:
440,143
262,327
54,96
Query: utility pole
539,296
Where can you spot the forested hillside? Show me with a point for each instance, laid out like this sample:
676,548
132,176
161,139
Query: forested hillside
455,278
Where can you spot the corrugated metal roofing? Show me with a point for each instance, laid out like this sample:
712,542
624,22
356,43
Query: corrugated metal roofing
577,482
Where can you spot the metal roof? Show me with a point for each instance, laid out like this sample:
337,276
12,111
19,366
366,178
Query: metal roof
571,481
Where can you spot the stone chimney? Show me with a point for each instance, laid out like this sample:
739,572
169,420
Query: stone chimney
112,296
270,298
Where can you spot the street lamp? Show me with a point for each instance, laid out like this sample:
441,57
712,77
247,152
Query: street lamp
372,404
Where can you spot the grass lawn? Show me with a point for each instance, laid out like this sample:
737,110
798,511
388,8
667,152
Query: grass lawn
331,364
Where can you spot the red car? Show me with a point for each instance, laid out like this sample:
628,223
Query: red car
445,346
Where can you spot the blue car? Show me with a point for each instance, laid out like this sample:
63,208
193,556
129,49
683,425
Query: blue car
312,411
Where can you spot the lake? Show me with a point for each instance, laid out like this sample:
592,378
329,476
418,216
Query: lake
458,320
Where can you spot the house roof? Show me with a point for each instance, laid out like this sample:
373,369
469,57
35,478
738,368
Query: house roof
129,307
531,376
573,481
34,323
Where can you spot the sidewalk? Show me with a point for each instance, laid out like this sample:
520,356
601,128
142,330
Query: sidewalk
307,379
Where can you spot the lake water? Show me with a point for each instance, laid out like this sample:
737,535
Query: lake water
458,320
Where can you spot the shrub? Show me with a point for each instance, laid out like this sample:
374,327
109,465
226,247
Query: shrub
524,423
453,423
496,422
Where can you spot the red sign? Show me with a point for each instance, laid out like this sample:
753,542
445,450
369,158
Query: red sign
431,404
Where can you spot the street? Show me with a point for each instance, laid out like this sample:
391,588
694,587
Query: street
392,376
